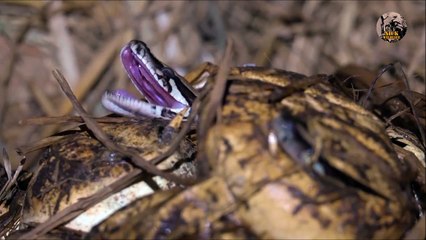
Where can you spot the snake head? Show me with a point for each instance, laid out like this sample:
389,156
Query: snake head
167,93
157,82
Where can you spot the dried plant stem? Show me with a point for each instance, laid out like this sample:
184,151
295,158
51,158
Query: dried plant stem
70,119
218,90
103,138
213,107
76,209
79,207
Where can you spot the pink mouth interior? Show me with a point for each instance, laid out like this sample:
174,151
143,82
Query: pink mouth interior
145,82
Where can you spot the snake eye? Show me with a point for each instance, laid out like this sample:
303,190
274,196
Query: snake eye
168,72
138,47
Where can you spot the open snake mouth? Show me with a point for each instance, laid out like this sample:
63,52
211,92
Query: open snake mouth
149,75
167,93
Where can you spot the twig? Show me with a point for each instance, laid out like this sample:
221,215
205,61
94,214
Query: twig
370,89
413,109
406,109
76,209
24,150
79,207
177,140
99,62
212,109
103,138
10,179
216,95
70,119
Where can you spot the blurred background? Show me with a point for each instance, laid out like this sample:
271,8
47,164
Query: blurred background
83,39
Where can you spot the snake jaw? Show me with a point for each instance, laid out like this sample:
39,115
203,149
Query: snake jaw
141,68
166,91
124,103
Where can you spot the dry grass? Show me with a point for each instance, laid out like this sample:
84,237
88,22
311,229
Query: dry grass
82,39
